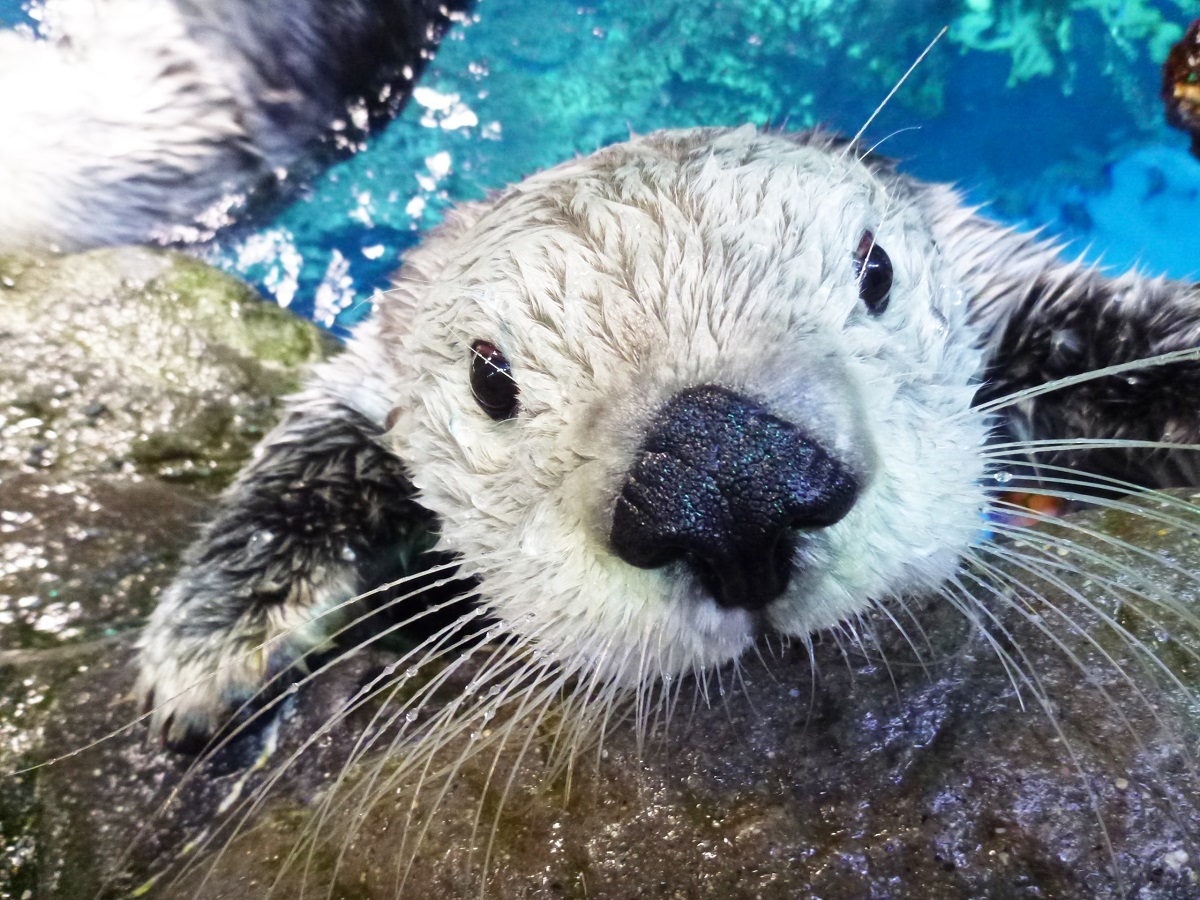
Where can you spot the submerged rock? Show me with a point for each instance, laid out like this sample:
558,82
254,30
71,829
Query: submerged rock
1031,752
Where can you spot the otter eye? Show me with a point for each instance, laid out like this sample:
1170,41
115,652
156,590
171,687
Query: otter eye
873,267
492,382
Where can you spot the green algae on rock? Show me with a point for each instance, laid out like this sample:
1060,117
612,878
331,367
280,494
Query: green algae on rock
133,383
142,361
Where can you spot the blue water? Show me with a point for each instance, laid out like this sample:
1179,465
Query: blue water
15,12
1050,114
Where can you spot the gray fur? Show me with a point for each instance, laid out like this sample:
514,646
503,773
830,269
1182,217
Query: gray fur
613,282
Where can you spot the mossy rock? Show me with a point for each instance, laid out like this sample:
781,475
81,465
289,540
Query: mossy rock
140,361
133,385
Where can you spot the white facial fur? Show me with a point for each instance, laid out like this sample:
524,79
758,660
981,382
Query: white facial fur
673,260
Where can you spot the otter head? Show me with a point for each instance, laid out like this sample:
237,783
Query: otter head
690,388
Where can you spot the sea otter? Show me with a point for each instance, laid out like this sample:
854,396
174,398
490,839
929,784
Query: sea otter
658,401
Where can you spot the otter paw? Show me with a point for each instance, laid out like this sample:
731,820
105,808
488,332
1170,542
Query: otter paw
214,652
194,689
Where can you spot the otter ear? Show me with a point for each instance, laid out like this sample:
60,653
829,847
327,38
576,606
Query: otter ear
1044,319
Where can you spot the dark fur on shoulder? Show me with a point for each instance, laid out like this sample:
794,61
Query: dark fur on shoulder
1079,322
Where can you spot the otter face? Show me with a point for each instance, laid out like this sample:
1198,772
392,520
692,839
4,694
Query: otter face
690,388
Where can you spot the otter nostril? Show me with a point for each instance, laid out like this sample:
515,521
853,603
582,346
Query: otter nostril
749,582
724,486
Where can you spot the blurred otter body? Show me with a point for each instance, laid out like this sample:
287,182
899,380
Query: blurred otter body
144,120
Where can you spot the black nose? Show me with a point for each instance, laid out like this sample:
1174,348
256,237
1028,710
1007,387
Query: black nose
723,485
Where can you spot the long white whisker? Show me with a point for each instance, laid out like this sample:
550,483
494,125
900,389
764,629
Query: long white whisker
1044,571
1033,446
224,739
1100,537
903,78
1058,384
247,806
1029,675
83,748
437,646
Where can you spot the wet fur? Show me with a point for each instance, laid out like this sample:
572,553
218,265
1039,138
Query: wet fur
574,318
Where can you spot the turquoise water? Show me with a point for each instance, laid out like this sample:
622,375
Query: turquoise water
1049,113
13,12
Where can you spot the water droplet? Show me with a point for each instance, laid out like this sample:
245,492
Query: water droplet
488,715
493,690
1002,477
410,672
410,716
261,537
348,554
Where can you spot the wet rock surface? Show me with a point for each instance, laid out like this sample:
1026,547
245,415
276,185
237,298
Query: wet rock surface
133,383
895,771
139,362
1034,753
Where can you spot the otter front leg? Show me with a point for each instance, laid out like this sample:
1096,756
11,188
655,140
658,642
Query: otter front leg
269,579
1074,321
1044,319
